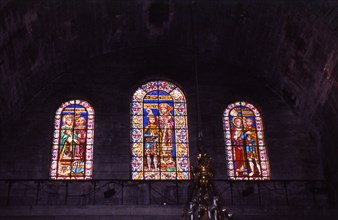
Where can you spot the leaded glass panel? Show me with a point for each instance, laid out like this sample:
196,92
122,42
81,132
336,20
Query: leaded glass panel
73,139
159,133
244,143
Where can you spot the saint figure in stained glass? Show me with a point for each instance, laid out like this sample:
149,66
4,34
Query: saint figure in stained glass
245,146
73,141
152,140
159,136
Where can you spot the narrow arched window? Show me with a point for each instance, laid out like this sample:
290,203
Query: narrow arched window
159,133
246,152
73,139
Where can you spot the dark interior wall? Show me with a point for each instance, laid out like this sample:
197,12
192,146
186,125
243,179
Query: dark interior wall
108,82
41,39
282,54
303,56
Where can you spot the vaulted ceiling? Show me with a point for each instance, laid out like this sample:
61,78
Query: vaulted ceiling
290,46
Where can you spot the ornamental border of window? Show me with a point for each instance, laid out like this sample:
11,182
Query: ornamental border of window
229,147
88,151
137,115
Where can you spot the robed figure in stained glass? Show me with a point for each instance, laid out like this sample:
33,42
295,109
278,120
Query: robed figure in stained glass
244,140
68,137
73,141
159,137
167,147
80,147
167,125
237,140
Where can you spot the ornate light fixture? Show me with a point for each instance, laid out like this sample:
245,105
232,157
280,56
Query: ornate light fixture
204,203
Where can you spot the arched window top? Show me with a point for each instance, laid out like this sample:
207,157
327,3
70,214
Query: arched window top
76,103
168,87
239,106
247,158
73,139
159,133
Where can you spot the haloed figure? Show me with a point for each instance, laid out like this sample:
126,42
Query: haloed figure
152,138
248,124
67,137
166,122
237,139
80,128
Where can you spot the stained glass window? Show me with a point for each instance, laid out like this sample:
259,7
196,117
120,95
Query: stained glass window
72,151
159,133
247,157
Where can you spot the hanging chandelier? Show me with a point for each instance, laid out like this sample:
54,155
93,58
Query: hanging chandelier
204,202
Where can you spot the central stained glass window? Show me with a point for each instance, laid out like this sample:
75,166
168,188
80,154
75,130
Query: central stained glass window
159,133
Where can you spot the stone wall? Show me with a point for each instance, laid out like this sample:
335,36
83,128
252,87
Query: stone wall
42,39
108,86
281,57
301,66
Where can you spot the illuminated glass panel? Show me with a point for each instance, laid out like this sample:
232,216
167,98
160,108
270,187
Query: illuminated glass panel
73,139
159,133
247,158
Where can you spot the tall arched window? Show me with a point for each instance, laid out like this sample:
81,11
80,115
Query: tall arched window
247,158
159,133
72,151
